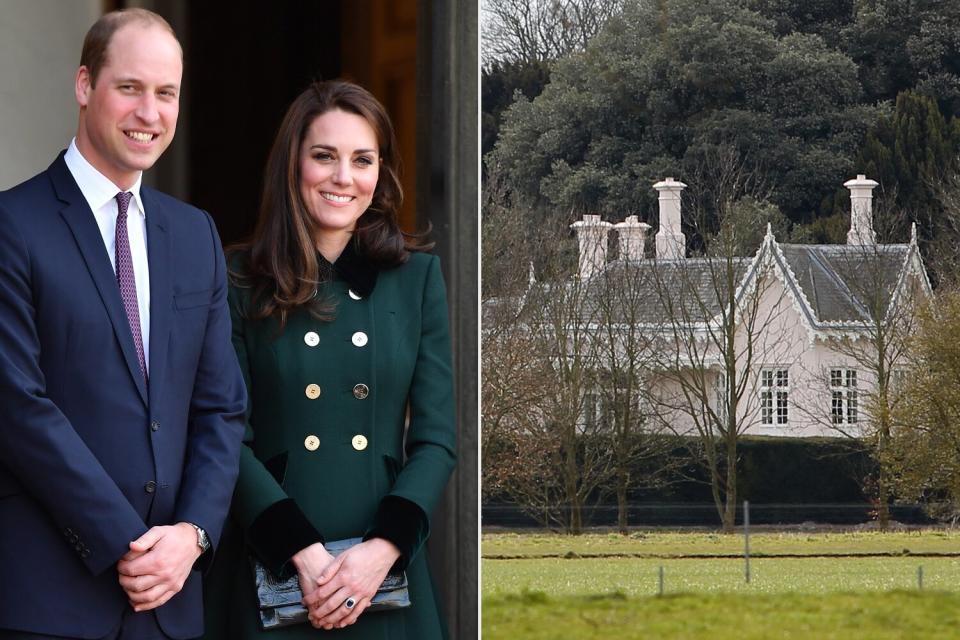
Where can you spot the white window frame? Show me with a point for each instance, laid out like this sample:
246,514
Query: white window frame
720,396
844,396
775,396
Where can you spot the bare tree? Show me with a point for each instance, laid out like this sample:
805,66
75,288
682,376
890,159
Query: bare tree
520,455
643,449
720,322
886,286
539,368
562,317
528,31
944,229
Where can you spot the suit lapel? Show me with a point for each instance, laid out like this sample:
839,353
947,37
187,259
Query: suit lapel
85,231
161,297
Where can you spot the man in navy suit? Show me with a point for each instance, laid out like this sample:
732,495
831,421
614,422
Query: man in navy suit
120,395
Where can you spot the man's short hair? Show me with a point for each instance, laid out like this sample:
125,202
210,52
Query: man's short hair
95,44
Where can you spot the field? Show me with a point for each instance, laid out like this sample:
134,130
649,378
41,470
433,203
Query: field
802,585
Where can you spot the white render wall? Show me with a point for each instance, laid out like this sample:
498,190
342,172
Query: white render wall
785,341
808,360
40,43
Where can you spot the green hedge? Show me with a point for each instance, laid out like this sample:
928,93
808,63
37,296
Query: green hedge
775,470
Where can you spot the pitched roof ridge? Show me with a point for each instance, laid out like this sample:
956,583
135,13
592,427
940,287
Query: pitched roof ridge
835,247
793,284
832,274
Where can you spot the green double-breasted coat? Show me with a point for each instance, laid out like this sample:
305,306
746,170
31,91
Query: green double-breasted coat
329,401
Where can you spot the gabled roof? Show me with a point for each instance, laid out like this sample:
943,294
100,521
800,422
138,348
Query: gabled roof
846,283
834,286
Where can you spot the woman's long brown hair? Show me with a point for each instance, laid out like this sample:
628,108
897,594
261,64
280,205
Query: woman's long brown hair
279,263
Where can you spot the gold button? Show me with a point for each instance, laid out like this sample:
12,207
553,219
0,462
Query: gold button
361,391
353,295
359,442
311,443
359,339
311,338
312,391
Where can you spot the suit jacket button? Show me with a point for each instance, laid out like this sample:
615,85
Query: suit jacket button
312,391
85,554
359,442
154,425
74,538
361,391
311,338
68,532
311,443
359,339
150,487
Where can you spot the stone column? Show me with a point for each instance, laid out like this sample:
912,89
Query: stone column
447,187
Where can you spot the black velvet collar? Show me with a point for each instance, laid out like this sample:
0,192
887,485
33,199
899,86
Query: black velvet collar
359,273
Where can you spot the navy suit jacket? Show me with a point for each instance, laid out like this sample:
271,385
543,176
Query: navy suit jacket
91,455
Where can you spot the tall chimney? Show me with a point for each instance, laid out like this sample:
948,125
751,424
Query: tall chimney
592,234
632,235
671,243
861,211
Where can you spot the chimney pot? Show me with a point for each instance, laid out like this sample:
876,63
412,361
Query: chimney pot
592,236
633,236
671,243
861,210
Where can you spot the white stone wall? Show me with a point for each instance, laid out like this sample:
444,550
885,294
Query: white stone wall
40,43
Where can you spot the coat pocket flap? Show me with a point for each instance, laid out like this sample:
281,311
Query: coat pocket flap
192,299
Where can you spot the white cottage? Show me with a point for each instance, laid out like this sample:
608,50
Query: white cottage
808,317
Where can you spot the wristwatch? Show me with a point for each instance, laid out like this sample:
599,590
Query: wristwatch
203,541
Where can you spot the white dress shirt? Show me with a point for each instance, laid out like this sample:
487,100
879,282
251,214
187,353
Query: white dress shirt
101,194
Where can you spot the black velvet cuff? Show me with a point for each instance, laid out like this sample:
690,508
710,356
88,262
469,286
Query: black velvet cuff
279,533
401,522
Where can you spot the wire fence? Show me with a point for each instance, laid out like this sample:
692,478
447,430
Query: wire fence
664,514
768,552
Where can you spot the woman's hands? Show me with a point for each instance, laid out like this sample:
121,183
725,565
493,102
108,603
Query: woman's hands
356,573
310,563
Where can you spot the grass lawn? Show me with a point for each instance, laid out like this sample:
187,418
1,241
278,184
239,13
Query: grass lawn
673,544
803,585
891,615
640,576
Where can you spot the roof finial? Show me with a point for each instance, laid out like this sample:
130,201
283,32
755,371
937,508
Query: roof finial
913,233
769,230
533,275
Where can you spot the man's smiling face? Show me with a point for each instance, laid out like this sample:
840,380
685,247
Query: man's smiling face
128,118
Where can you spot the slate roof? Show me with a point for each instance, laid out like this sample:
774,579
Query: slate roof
697,286
835,284
843,283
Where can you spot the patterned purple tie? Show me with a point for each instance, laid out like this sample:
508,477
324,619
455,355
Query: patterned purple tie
126,278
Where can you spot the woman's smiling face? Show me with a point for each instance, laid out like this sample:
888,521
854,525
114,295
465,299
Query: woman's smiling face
339,167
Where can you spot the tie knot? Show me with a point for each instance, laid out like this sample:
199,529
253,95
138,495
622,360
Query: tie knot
123,201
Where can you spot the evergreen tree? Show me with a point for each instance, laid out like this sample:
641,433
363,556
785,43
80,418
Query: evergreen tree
909,153
500,84
667,83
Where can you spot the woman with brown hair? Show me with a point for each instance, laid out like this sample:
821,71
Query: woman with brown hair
340,327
